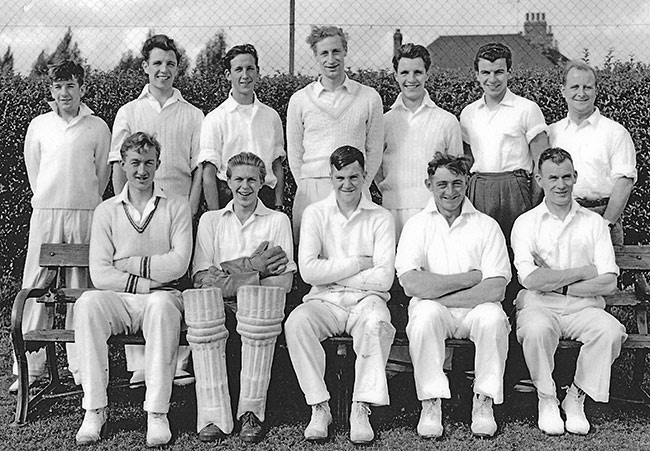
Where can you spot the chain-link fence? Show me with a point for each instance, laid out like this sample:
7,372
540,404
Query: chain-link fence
106,30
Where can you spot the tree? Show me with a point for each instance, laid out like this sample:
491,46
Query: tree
65,50
7,62
209,60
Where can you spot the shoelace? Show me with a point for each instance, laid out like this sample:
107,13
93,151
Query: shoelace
249,420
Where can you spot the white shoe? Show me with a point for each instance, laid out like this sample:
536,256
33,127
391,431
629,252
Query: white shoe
360,430
430,424
137,379
158,433
483,424
321,418
13,388
91,428
549,419
573,406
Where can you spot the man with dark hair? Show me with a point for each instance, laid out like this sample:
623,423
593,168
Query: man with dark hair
415,129
346,252
241,124
161,110
243,244
65,155
141,243
504,134
452,259
330,112
602,149
565,261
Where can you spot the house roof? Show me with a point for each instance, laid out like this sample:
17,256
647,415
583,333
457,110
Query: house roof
453,52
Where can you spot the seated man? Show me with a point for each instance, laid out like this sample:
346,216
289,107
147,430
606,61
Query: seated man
244,243
347,252
565,261
141,241
453,260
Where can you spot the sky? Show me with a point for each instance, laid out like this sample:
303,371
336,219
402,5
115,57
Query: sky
105,29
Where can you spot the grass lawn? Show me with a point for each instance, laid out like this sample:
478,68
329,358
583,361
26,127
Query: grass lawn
615,426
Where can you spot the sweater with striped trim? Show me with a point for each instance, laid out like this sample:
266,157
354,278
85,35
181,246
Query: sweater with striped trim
152,255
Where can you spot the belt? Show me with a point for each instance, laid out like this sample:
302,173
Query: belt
591,203
501,175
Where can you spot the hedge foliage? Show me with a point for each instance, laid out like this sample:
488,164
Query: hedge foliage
624,96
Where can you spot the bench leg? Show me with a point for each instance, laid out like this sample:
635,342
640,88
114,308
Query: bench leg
637,394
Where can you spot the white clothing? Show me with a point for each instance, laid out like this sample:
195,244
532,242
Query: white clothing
410,142
231,128
177,127
499,137
602,152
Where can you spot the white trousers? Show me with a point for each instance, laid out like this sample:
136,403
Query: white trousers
52,226
100,314
368,323
539,330
430,323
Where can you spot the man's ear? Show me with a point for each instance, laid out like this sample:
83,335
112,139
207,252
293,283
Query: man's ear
538,179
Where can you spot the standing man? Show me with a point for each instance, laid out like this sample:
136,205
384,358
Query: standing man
141,243
503,134
161,110
241,124
415,129
65,155
565,261
453,260
330,112
347,253
245,243
602,149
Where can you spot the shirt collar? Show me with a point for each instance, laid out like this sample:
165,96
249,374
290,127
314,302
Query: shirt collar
466,209
230,104
508,99
426,102
84,110
260,209
575,209
591,120
347,84
123,195
176,95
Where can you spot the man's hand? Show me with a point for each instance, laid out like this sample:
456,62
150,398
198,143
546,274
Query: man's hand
121,264
365,262
590,272
476,276
208,278
269,261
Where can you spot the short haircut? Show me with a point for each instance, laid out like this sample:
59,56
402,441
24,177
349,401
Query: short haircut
244,49
412,51
346,155
327,31
162,42
578,65
138,142
555,154
455,165
246,159
492,52
66,70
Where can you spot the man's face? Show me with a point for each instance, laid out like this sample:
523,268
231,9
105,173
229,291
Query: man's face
348,182
493,77
557,181
330,56
411,76
140,168
448,190
242,74
580,92
67,95
162,68
245,183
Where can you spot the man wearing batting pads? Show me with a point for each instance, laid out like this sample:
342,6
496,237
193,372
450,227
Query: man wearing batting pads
347,252
245,249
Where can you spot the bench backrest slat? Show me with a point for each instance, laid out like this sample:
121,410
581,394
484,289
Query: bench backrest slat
64,255
634,258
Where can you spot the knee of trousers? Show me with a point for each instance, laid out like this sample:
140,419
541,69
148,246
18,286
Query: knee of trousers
530,327
492,317
260,311
163,305
608,331
425,316
89,308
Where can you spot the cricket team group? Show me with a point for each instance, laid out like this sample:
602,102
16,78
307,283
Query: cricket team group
494,216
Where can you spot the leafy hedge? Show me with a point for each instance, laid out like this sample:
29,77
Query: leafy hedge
624,97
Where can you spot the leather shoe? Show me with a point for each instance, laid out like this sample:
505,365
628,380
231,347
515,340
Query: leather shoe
211,433
252,429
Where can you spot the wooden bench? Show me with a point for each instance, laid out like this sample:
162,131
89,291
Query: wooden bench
56,258
633,260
